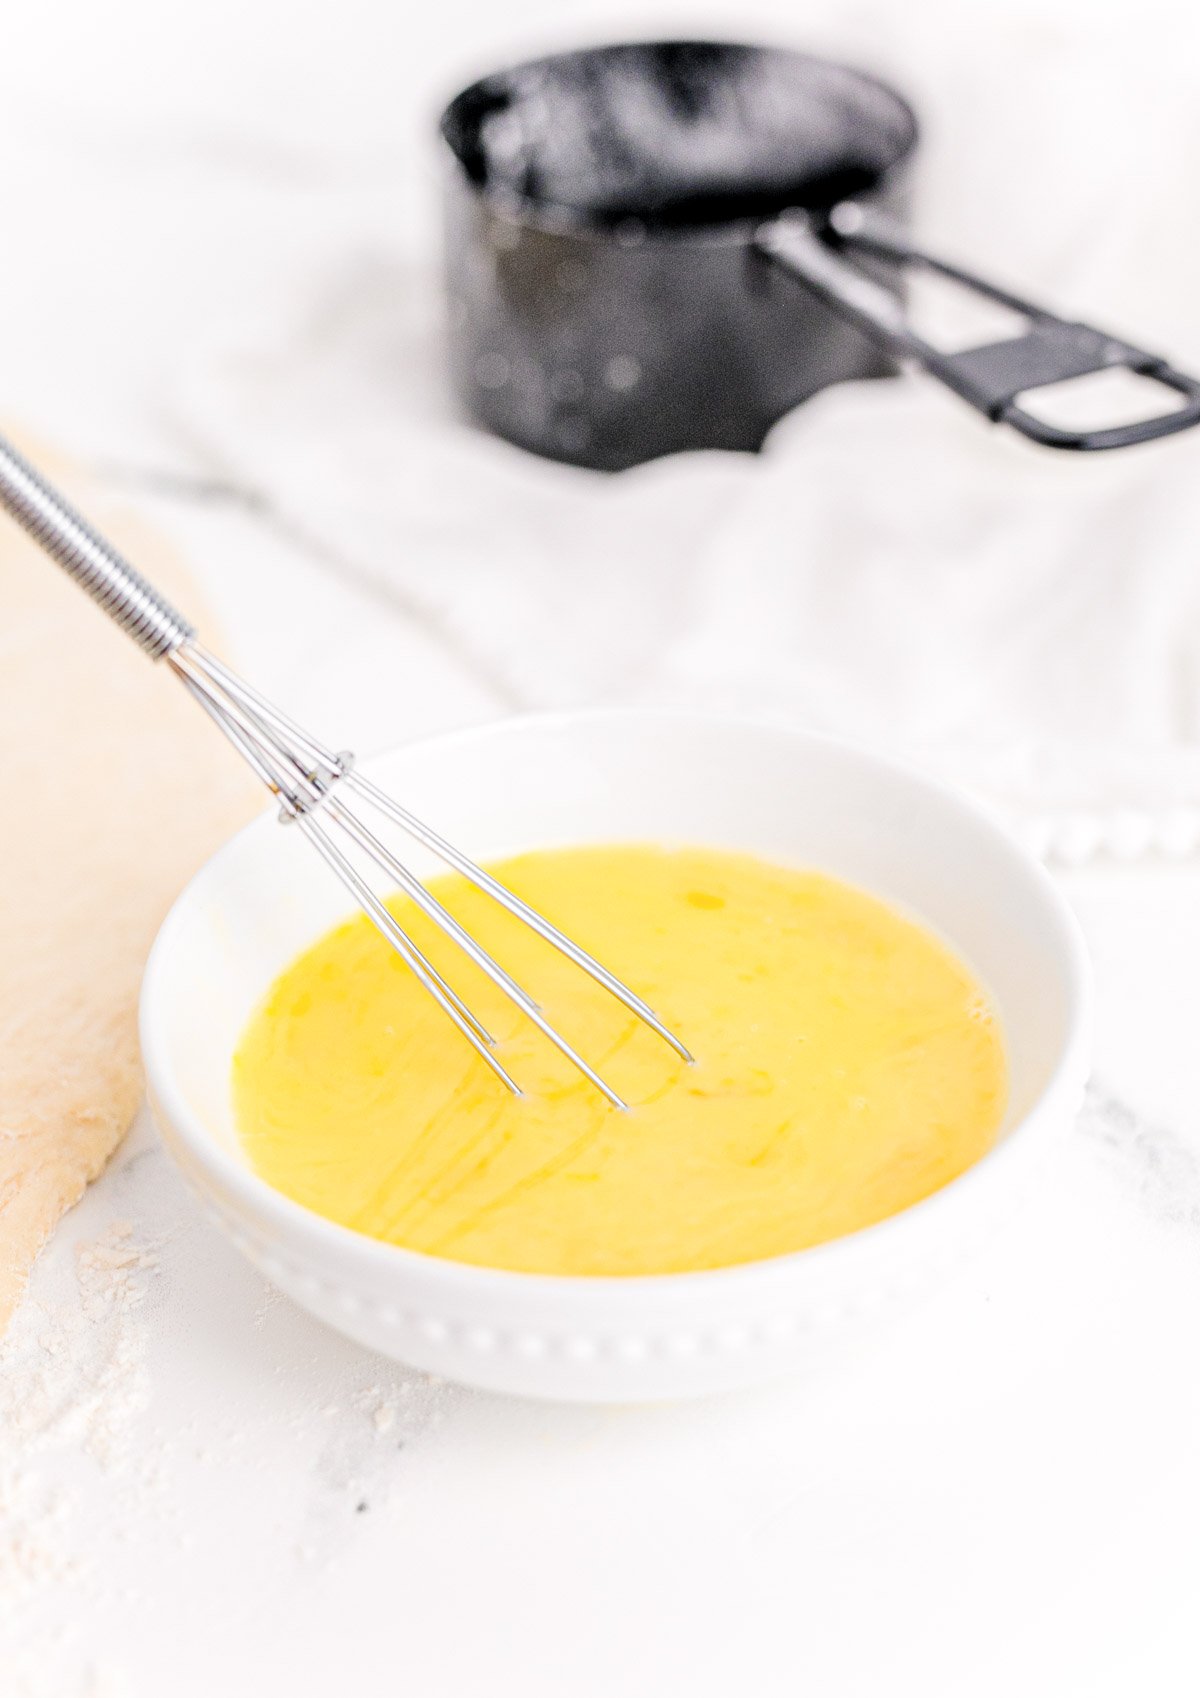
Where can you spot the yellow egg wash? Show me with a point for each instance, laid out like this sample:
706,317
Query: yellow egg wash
847,1064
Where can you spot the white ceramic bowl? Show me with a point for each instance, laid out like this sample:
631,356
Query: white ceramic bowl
656,777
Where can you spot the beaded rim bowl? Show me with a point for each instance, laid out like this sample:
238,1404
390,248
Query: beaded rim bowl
595,777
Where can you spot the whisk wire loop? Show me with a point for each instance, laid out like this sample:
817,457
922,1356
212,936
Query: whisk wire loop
309,780
386,923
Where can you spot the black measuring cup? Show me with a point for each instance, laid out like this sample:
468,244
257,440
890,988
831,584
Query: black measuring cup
625,230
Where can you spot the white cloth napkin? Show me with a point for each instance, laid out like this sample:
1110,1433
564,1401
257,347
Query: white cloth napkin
890,567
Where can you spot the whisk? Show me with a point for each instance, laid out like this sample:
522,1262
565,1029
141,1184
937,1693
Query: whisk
309,780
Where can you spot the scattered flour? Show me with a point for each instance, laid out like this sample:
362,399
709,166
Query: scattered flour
71,1371
76,1370
96,1494
30,1680
31,1545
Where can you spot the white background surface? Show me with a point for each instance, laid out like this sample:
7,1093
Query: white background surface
1004,1496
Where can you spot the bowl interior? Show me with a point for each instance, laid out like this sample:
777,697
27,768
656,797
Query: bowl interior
663,778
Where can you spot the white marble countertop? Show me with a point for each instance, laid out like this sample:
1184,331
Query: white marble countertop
1002,1496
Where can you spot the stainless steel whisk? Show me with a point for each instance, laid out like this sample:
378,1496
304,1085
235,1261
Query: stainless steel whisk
309,780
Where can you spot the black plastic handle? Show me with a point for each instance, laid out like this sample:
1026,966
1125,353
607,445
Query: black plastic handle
992,376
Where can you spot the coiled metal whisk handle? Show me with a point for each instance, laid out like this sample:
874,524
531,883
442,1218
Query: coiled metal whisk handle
95,564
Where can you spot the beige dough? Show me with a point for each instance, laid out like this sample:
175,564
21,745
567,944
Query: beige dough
115,788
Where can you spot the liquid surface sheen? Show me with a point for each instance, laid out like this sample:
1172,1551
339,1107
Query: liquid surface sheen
847,1065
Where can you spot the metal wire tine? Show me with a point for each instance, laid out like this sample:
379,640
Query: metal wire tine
193,665
449,991
366,839
426,900
513,903
252,750
274,780
236,686
277,768
403,945
277,747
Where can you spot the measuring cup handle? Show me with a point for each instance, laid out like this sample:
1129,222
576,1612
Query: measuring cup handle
992,377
